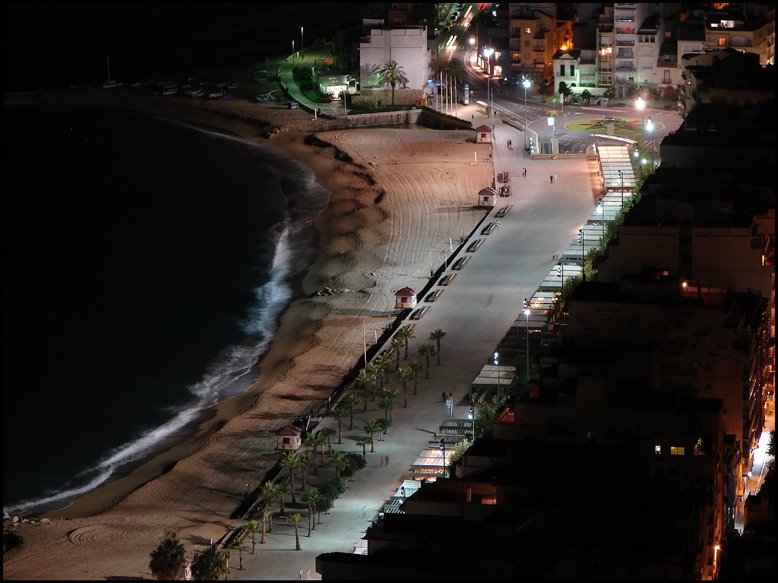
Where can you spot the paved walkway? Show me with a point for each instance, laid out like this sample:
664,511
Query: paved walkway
476,311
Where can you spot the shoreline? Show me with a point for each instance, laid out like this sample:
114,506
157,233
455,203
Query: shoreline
194,486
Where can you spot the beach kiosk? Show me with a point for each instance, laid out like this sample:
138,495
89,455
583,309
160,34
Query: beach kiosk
483,135
405,298
288,438
487,197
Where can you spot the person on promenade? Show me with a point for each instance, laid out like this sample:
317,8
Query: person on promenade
524,172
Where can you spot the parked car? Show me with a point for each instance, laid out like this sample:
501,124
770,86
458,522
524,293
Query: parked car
293,105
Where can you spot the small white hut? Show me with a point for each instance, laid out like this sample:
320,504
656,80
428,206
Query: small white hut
483,135
289,438
487,197
405,298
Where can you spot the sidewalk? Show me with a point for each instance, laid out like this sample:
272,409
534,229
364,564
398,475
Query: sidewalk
475,312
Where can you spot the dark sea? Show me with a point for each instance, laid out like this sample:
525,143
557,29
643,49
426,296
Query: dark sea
145,262
145,265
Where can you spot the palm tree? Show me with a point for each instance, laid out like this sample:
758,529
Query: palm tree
382,362
253,527
291,461
296,519
383,427
371,427
436,337
365,378
237,544
406,333
283,487
363,441
391,74
270,492
339,413
328,432
397,343
427,351
210,565
405,373
387,402
351,400
267,514
339,461
416,367
310,498
316,441
307,460
168,558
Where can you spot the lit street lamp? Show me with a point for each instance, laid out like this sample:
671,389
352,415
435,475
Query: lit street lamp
497,364
488,51
443,449
302,39
650,128
601,208
526,314
471,416
640,105
526,84
293,49
583,254
621,176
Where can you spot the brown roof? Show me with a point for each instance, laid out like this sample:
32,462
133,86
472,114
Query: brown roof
292,430
483,128
406,291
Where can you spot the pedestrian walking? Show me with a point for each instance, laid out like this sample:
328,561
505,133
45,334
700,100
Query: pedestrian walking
554,180
300,575
551,179
444,396
524,172
381,463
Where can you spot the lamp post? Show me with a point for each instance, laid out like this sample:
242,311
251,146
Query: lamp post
583,254
488,51
640,105
621,176
443,449
497,364
650,128
526,315
601,208
302,39
293,49
526,84
471,416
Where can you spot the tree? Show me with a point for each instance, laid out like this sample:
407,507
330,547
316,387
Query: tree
363,441
296,519
391,74
382,362
210,565
397,344
328,432
283,487
270,492
339,461
168,558
416,367
340,413
586,95
383,427
387,402
311,497
267,514
350,401
436,337
371,427
365,378
306,461
405,373
406,333
253,527
316,441
237,544
427,351
292,461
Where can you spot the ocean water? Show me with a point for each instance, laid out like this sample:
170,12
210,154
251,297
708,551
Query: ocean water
145,265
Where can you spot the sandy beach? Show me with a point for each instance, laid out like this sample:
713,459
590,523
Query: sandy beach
392,209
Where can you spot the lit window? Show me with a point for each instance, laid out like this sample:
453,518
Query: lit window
676,450
527,30
657,449
721,41
489,500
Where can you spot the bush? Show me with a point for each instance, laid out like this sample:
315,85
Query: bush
355,462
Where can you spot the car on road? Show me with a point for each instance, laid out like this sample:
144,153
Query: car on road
293,105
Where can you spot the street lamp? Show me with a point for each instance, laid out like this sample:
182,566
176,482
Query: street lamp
471,416
302,41
526,314
488,51
583,254
601,208
497,364
553,126
640,105
650,128
621,176
293,49
526,84
443,449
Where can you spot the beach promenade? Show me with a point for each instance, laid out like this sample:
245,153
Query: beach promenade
475,312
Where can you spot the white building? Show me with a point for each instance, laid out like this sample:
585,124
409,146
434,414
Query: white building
409,47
